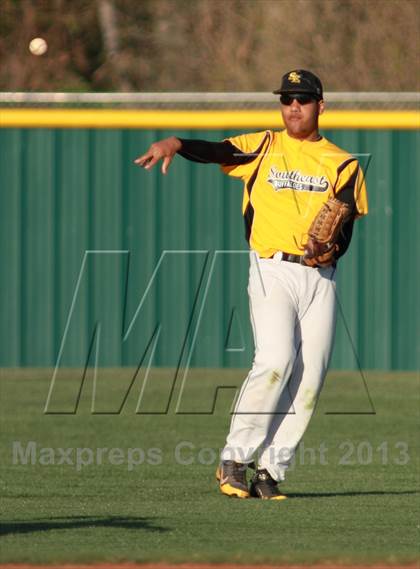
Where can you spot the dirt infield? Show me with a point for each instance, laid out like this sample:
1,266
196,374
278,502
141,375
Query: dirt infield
204,566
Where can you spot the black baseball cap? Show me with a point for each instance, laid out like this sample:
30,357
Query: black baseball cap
300,81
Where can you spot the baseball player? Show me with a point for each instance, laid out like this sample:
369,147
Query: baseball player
301,197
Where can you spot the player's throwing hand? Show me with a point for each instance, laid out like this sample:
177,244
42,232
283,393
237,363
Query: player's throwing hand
162,150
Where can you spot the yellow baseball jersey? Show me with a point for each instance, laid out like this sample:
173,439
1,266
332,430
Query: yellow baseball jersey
286,184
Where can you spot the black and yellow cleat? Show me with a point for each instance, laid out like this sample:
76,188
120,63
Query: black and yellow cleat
263,486
232,479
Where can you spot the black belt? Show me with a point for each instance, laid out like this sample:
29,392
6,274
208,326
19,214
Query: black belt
290,258
293,258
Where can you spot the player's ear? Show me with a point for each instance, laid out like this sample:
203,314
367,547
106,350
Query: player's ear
321,106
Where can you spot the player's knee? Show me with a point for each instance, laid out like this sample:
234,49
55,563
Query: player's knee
277,367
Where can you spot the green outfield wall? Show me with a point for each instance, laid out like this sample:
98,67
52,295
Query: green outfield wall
103,262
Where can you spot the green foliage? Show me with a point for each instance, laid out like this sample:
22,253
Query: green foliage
350,509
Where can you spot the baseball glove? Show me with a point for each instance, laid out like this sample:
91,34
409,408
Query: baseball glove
323,233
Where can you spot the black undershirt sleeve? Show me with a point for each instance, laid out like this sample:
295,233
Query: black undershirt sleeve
346,195
207,152
344,237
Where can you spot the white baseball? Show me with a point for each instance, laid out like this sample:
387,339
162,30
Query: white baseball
38,46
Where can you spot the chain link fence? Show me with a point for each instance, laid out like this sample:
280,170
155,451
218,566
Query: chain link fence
209,100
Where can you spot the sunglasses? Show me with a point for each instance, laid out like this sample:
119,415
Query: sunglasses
301,98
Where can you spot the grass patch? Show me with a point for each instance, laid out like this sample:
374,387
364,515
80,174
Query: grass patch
354,490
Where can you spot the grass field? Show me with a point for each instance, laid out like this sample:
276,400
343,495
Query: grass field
353,498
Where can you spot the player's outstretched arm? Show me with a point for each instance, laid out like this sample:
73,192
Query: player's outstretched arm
161,150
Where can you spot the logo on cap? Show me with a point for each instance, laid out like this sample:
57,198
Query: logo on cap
294,77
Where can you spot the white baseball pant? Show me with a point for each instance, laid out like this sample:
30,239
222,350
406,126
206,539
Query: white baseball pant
293,315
